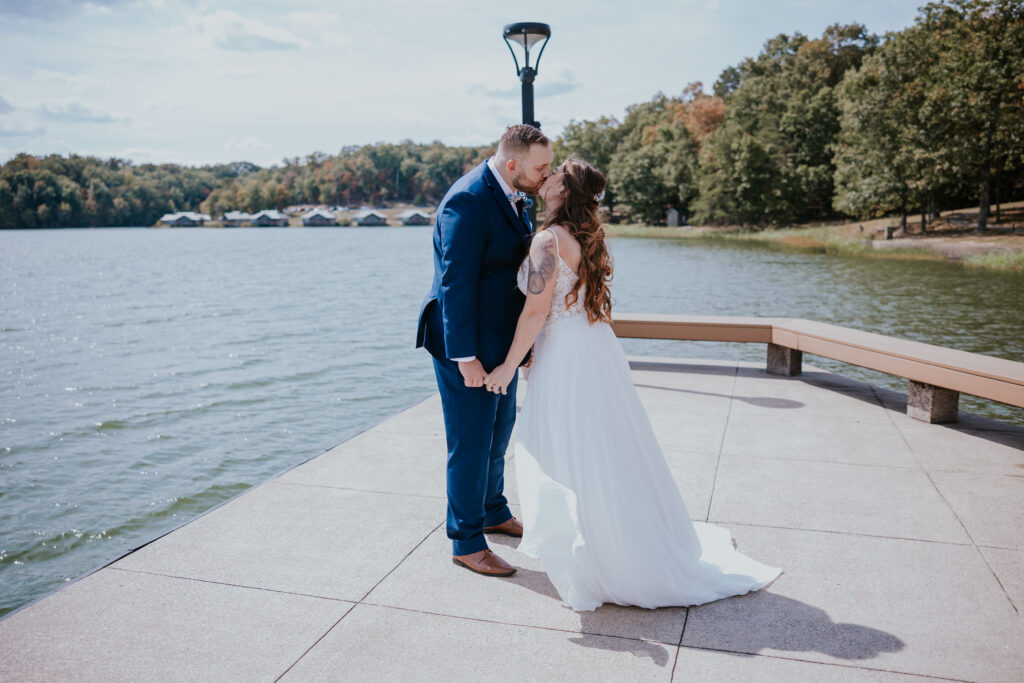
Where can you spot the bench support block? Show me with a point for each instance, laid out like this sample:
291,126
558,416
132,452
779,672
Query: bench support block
932,404
783,360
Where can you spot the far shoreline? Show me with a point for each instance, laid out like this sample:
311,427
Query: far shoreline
1000,248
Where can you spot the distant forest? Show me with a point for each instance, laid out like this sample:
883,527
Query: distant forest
849,124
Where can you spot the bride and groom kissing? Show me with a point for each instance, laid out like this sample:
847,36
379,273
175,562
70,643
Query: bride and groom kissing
599,507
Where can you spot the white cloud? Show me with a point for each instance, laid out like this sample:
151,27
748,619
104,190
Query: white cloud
75,112
5,106
152,155
77,81
545,86
325,28
231,31
53,10
20,130
250,143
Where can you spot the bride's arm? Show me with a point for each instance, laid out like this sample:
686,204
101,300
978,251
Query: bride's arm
540,288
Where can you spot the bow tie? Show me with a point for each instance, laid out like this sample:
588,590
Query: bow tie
516,197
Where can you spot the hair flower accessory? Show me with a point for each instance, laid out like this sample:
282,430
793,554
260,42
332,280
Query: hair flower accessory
599,196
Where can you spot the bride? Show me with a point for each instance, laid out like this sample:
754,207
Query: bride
600,509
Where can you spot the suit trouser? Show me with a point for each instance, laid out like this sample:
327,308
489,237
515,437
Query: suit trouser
478,426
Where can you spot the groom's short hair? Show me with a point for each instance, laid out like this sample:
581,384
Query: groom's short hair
518,138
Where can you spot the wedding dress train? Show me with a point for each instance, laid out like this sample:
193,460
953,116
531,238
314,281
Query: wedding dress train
599,506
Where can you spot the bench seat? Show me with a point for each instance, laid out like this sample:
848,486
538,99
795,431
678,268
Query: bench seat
937,374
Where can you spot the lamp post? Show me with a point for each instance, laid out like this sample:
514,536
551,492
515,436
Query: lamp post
527,34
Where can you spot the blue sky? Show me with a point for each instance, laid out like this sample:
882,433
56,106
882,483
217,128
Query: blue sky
196,82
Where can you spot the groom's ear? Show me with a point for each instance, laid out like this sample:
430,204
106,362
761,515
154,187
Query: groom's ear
511,164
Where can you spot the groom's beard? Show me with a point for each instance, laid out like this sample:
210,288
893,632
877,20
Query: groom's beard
520,184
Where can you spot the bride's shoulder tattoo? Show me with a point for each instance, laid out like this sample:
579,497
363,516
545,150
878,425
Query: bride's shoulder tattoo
542,267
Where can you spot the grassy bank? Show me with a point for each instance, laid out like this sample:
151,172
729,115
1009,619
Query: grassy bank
947,239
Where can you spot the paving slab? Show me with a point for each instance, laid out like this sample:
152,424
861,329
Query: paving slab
792,398
946,448
694,474
901,544
755,374
424,418
688,431
909,607
663,399
379,460
526,599
826,496
126,626
991,506
1008,566
837,439
312,540
706,393
694,664
385,644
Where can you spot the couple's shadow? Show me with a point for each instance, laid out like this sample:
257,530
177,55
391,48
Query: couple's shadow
745,624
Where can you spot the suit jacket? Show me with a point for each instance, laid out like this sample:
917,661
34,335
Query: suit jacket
473,303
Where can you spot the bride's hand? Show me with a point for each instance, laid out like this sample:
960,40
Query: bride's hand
499,378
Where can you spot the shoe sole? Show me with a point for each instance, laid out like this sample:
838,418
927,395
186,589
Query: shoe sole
503,533
477,571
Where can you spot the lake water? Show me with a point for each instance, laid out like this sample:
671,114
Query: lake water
149,375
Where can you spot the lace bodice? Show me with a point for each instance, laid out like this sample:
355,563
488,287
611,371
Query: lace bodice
565,282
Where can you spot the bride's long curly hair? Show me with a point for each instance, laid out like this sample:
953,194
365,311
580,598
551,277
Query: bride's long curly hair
578,214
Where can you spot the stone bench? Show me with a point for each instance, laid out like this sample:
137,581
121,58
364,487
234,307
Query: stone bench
937,375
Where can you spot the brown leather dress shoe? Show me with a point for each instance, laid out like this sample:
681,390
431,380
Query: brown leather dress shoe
484,562
512,527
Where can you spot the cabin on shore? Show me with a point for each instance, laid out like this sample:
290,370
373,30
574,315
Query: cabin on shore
319,217
269,218
184,219
233,219
414,217
369,217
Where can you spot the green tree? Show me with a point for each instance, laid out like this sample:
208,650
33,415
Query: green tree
878,169
593,141
654,166
980,75
774,147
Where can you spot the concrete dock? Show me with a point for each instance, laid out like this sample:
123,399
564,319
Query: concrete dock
902,545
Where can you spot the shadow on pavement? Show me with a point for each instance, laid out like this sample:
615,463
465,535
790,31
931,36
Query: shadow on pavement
768,621
745,624
760,401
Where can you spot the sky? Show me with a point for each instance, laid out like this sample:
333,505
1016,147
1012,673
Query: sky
194,82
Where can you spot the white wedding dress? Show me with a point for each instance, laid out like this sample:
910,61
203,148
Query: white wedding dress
599,507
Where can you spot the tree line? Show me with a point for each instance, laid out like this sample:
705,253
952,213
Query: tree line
846,124
55,191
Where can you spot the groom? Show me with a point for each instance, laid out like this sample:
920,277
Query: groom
467,322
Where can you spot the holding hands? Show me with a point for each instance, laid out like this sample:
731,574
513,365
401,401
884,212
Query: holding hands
473,373
499,378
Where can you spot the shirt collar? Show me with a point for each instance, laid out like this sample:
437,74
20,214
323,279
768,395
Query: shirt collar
501,181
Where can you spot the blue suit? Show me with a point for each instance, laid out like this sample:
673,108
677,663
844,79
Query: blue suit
471,310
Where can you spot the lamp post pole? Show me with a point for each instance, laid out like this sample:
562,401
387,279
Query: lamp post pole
526,76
